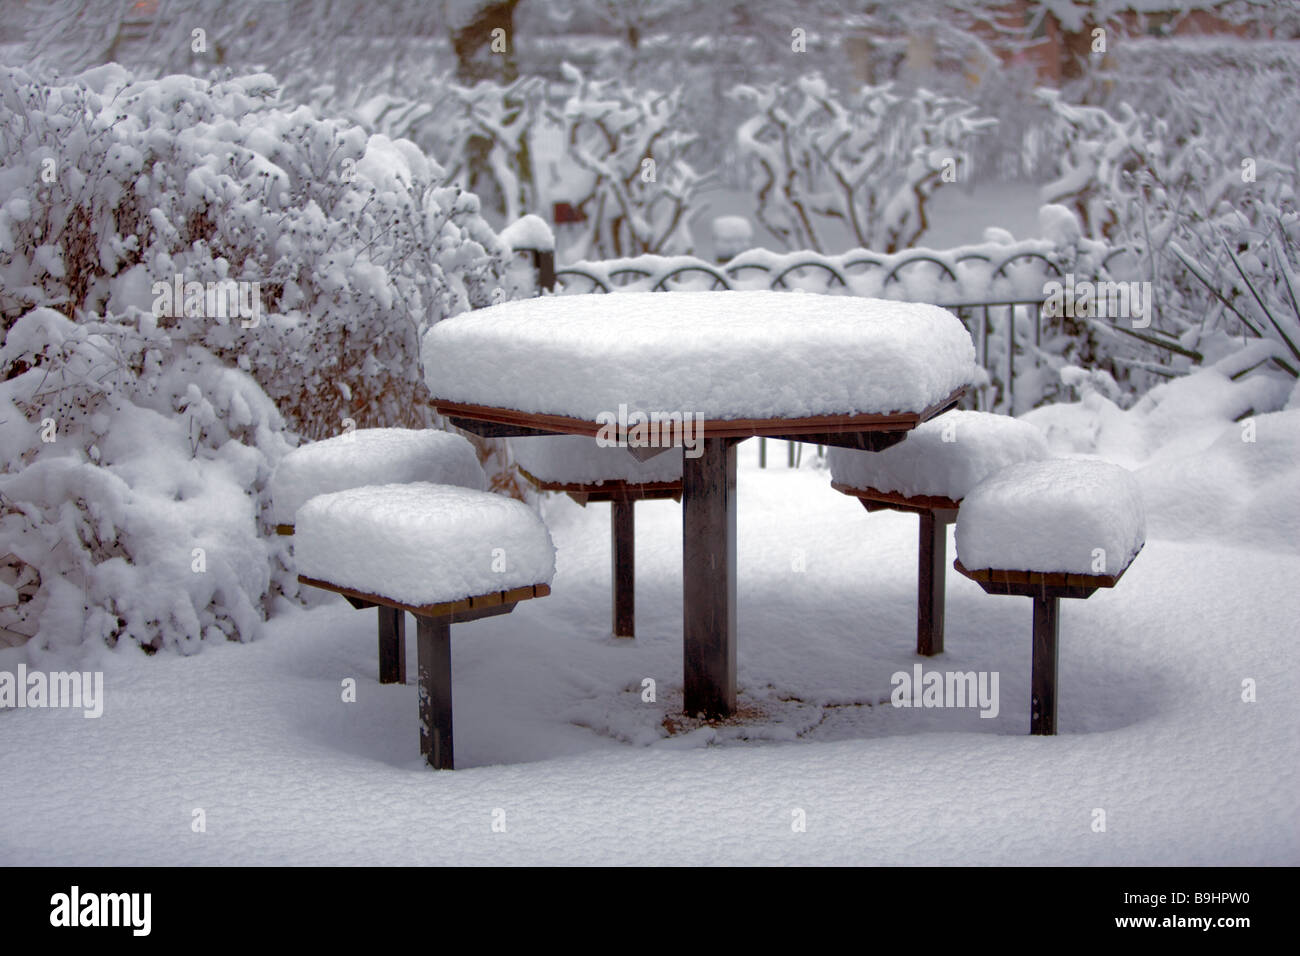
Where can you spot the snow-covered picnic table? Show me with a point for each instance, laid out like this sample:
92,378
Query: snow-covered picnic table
706,370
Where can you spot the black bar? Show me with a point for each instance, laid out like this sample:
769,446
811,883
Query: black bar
931,571
622,527
709,578
1047,621
392,645
544,263
434,651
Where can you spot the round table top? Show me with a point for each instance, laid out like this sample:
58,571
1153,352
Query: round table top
740,362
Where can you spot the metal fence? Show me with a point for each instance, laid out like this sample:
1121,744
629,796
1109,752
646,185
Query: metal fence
1007,323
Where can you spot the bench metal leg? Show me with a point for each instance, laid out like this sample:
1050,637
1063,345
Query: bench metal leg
1042,710
433,641
622,526
392,645
931,571
709,578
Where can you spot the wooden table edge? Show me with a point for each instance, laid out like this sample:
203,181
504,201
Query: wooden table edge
711,428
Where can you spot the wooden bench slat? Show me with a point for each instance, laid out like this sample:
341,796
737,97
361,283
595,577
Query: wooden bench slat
896,501
1003,581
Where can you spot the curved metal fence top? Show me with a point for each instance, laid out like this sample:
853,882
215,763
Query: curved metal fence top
991,272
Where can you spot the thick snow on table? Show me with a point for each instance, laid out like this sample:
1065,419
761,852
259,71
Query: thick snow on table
1052,516
577,459
421,543
372,456
726,355
945,457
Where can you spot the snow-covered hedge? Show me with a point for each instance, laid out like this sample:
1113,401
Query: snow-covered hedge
347,246
135,476
868,159
190,273
1205,199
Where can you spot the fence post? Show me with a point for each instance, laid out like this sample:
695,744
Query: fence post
544,266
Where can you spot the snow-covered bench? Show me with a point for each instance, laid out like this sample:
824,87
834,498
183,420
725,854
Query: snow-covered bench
1048,530
373,456
446,554
586,471
928,473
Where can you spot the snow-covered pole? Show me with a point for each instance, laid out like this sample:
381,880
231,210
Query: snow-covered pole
532,235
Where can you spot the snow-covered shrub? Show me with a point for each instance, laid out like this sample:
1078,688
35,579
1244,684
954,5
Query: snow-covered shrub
625,167
135,440
869,160
442,116
133,501
351,245
1217,451
1208,215
1263,295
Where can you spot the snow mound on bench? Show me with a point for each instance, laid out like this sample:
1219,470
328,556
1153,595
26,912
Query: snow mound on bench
372,456
420,543
577,459
724,354
1051,516
945,457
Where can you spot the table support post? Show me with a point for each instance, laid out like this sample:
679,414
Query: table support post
709,578
622,525
1042,705
931,568
433,639
392,645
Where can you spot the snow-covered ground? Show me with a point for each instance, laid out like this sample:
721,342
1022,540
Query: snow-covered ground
554,738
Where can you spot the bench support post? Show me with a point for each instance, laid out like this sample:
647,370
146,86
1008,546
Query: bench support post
931,570
622,523
709,578
1042,705
433,639
392,645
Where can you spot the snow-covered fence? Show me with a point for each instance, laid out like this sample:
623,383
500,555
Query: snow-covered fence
997,289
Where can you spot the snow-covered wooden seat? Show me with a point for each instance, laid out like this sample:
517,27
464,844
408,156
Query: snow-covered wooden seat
589,472
1049,530
373,456
445,554
928,473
